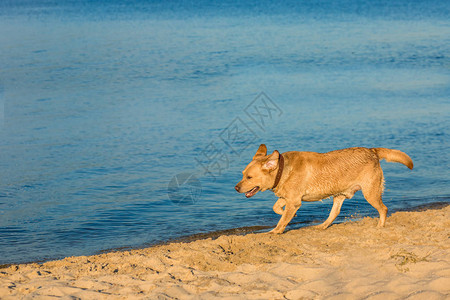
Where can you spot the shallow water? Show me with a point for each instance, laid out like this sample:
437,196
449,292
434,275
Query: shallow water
103,103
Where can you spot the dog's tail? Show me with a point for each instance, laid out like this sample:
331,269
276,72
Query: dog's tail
392,155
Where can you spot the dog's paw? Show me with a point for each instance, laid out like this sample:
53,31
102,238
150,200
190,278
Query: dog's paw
320,227
275,231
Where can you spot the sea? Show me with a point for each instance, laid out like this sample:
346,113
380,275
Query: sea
125,124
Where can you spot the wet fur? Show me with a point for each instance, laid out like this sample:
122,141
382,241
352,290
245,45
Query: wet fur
311,176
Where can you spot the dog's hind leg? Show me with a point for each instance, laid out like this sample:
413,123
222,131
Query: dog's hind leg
372,193
335,210
278,206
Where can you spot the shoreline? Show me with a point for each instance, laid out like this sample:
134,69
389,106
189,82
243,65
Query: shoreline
232,231
409,258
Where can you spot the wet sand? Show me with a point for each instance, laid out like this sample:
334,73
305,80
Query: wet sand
409,258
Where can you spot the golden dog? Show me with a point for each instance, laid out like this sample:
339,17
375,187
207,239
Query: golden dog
309,176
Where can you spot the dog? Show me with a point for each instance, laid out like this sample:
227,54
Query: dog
309,176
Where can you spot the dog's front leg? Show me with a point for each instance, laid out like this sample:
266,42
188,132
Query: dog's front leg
278,206
288,214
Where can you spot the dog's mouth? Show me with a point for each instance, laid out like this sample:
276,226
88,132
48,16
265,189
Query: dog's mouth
252,192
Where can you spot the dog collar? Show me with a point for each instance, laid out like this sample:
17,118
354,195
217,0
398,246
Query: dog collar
280,171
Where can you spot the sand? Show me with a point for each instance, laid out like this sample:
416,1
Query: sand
408,259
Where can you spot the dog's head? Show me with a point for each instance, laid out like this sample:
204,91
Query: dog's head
259,174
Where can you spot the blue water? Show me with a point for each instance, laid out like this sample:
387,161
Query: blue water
102,103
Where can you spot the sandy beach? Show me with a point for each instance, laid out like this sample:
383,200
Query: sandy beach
408,259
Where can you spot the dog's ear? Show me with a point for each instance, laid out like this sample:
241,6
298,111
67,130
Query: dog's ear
262,151
272,161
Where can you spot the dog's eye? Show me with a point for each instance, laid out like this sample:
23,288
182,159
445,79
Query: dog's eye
249,177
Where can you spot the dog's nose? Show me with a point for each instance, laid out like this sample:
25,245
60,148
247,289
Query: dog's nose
237,188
